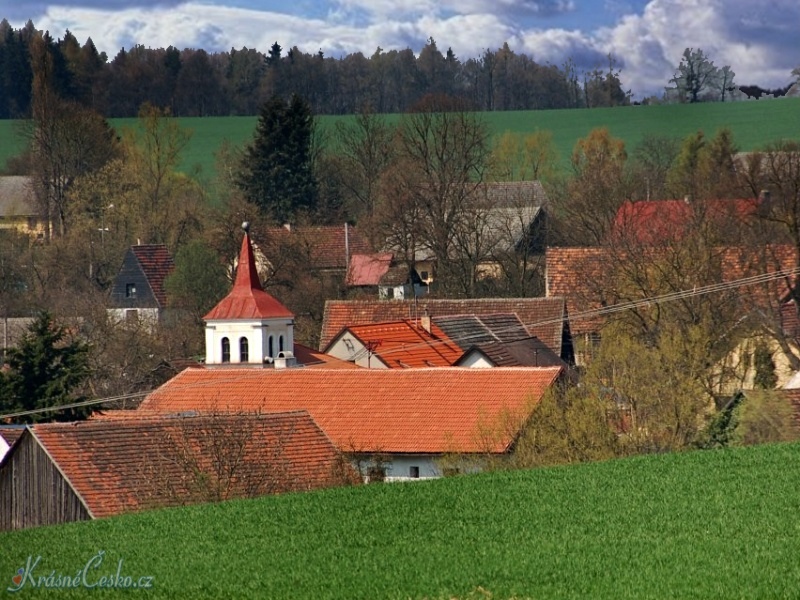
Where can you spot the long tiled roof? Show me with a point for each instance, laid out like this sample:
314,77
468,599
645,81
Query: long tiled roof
376,410
654,221
329,246
578,275
123,465
247,299
543,317
406,344
156,264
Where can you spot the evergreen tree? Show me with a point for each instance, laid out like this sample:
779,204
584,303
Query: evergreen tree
277,171
45,370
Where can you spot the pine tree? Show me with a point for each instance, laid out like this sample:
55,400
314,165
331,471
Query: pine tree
277,171
45,370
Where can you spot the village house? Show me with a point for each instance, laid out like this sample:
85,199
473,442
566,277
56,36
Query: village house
463,321
644,232
402,421
18,209
61,472
137,292
405,422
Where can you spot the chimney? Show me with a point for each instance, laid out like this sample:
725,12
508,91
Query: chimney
425,321
285,360
764,196
687,198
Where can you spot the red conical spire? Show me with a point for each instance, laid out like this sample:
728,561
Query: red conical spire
247,299
246,272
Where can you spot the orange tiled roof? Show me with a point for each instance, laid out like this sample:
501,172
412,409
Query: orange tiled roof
376,410
247,299
406,344
572,273
542,317
113,463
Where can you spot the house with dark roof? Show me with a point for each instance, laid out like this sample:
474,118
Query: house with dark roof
405,421
138,292
525,352
61,472
18,209
463,321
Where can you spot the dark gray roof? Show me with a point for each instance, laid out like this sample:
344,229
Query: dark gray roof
528,352
469,330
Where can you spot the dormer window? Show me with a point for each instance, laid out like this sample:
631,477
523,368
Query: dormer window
244,351
130,290
226,350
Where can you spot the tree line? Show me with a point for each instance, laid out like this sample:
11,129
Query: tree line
193,82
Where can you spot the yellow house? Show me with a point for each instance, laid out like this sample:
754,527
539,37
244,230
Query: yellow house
18,208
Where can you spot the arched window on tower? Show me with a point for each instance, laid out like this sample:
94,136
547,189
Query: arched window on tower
244,350
270,348
226,350
280,343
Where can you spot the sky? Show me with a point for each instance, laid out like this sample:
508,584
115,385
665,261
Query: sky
758,39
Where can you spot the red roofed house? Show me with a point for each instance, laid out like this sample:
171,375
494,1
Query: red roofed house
544,318
655,221
412,418
138,290
395,345
249,326
61,472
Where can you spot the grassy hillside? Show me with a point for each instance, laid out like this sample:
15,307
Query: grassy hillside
753,124
720,524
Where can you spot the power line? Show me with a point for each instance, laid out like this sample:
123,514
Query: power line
584,315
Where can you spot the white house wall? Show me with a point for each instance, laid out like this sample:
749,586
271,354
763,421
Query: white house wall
257,333
349,348
475,360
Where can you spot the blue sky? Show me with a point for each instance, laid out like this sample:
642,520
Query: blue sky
758,39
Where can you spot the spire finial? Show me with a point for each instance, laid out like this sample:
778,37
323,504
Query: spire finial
246,226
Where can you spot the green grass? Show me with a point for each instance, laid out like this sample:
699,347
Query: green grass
754,124
721,524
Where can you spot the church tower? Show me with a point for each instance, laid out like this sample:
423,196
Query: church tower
248,327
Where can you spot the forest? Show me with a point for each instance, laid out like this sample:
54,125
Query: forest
193,82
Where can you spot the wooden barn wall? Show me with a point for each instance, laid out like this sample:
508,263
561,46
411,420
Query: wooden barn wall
33,492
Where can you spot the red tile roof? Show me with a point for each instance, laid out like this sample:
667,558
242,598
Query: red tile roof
583,276
122,465
247,299
406,344
543,317
328,245
376,410
367,269
655,221
156,264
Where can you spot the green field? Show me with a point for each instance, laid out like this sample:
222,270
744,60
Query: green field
754,124
714,524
